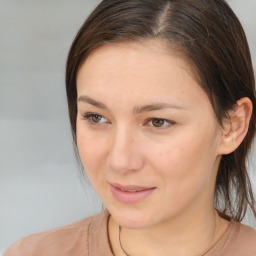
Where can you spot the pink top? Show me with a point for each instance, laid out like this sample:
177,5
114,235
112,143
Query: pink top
89,237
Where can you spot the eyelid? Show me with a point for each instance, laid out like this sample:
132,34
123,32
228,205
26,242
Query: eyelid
89,115
169,122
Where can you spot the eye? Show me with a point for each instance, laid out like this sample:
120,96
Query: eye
160,123
94,118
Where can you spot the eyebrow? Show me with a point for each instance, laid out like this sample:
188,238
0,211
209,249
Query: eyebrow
136,110
93,102
155,106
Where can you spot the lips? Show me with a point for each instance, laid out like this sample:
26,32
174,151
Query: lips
130,193
130,188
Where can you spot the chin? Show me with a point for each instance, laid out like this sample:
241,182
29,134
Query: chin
132,218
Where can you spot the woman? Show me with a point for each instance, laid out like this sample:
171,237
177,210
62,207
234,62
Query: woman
161,98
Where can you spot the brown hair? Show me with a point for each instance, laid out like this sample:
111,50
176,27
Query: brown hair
213,41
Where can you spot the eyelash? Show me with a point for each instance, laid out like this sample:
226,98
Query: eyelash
88,117
167,123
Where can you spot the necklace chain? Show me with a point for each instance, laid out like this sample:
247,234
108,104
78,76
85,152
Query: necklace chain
120,229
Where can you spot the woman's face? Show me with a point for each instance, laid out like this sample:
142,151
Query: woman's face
146,134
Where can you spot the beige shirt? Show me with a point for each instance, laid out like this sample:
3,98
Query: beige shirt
89,237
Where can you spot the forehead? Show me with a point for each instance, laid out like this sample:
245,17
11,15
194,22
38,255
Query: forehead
144,47
136,57
139,71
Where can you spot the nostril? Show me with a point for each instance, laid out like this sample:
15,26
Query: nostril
119,162
125,154
124,161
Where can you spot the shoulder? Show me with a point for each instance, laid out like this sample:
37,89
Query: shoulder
70,239
242,240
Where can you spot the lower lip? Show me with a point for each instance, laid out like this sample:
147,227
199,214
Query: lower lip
130,197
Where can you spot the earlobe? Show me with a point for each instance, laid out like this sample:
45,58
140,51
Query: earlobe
236,126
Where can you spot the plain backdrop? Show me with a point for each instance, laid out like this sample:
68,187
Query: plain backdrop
39,183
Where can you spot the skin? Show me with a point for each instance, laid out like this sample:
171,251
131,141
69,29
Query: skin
180,159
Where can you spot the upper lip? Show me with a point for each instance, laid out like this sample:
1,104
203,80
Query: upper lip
130,187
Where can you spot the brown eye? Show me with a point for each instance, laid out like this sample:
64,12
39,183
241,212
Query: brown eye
96,118
158,122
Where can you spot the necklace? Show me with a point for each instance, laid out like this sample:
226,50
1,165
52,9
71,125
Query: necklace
120,243
120,229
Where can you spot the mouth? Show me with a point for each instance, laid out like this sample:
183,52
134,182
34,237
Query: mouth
130,193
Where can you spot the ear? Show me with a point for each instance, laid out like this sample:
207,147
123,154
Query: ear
236,127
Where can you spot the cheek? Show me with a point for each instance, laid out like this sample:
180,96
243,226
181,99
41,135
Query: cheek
91,152
183,174
183,163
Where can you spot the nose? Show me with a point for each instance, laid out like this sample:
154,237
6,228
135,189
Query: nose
125,155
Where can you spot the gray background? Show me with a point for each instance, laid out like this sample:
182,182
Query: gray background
39,185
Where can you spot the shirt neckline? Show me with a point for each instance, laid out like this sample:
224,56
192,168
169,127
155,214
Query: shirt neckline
98,232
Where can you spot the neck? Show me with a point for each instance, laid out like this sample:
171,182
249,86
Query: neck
168,238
